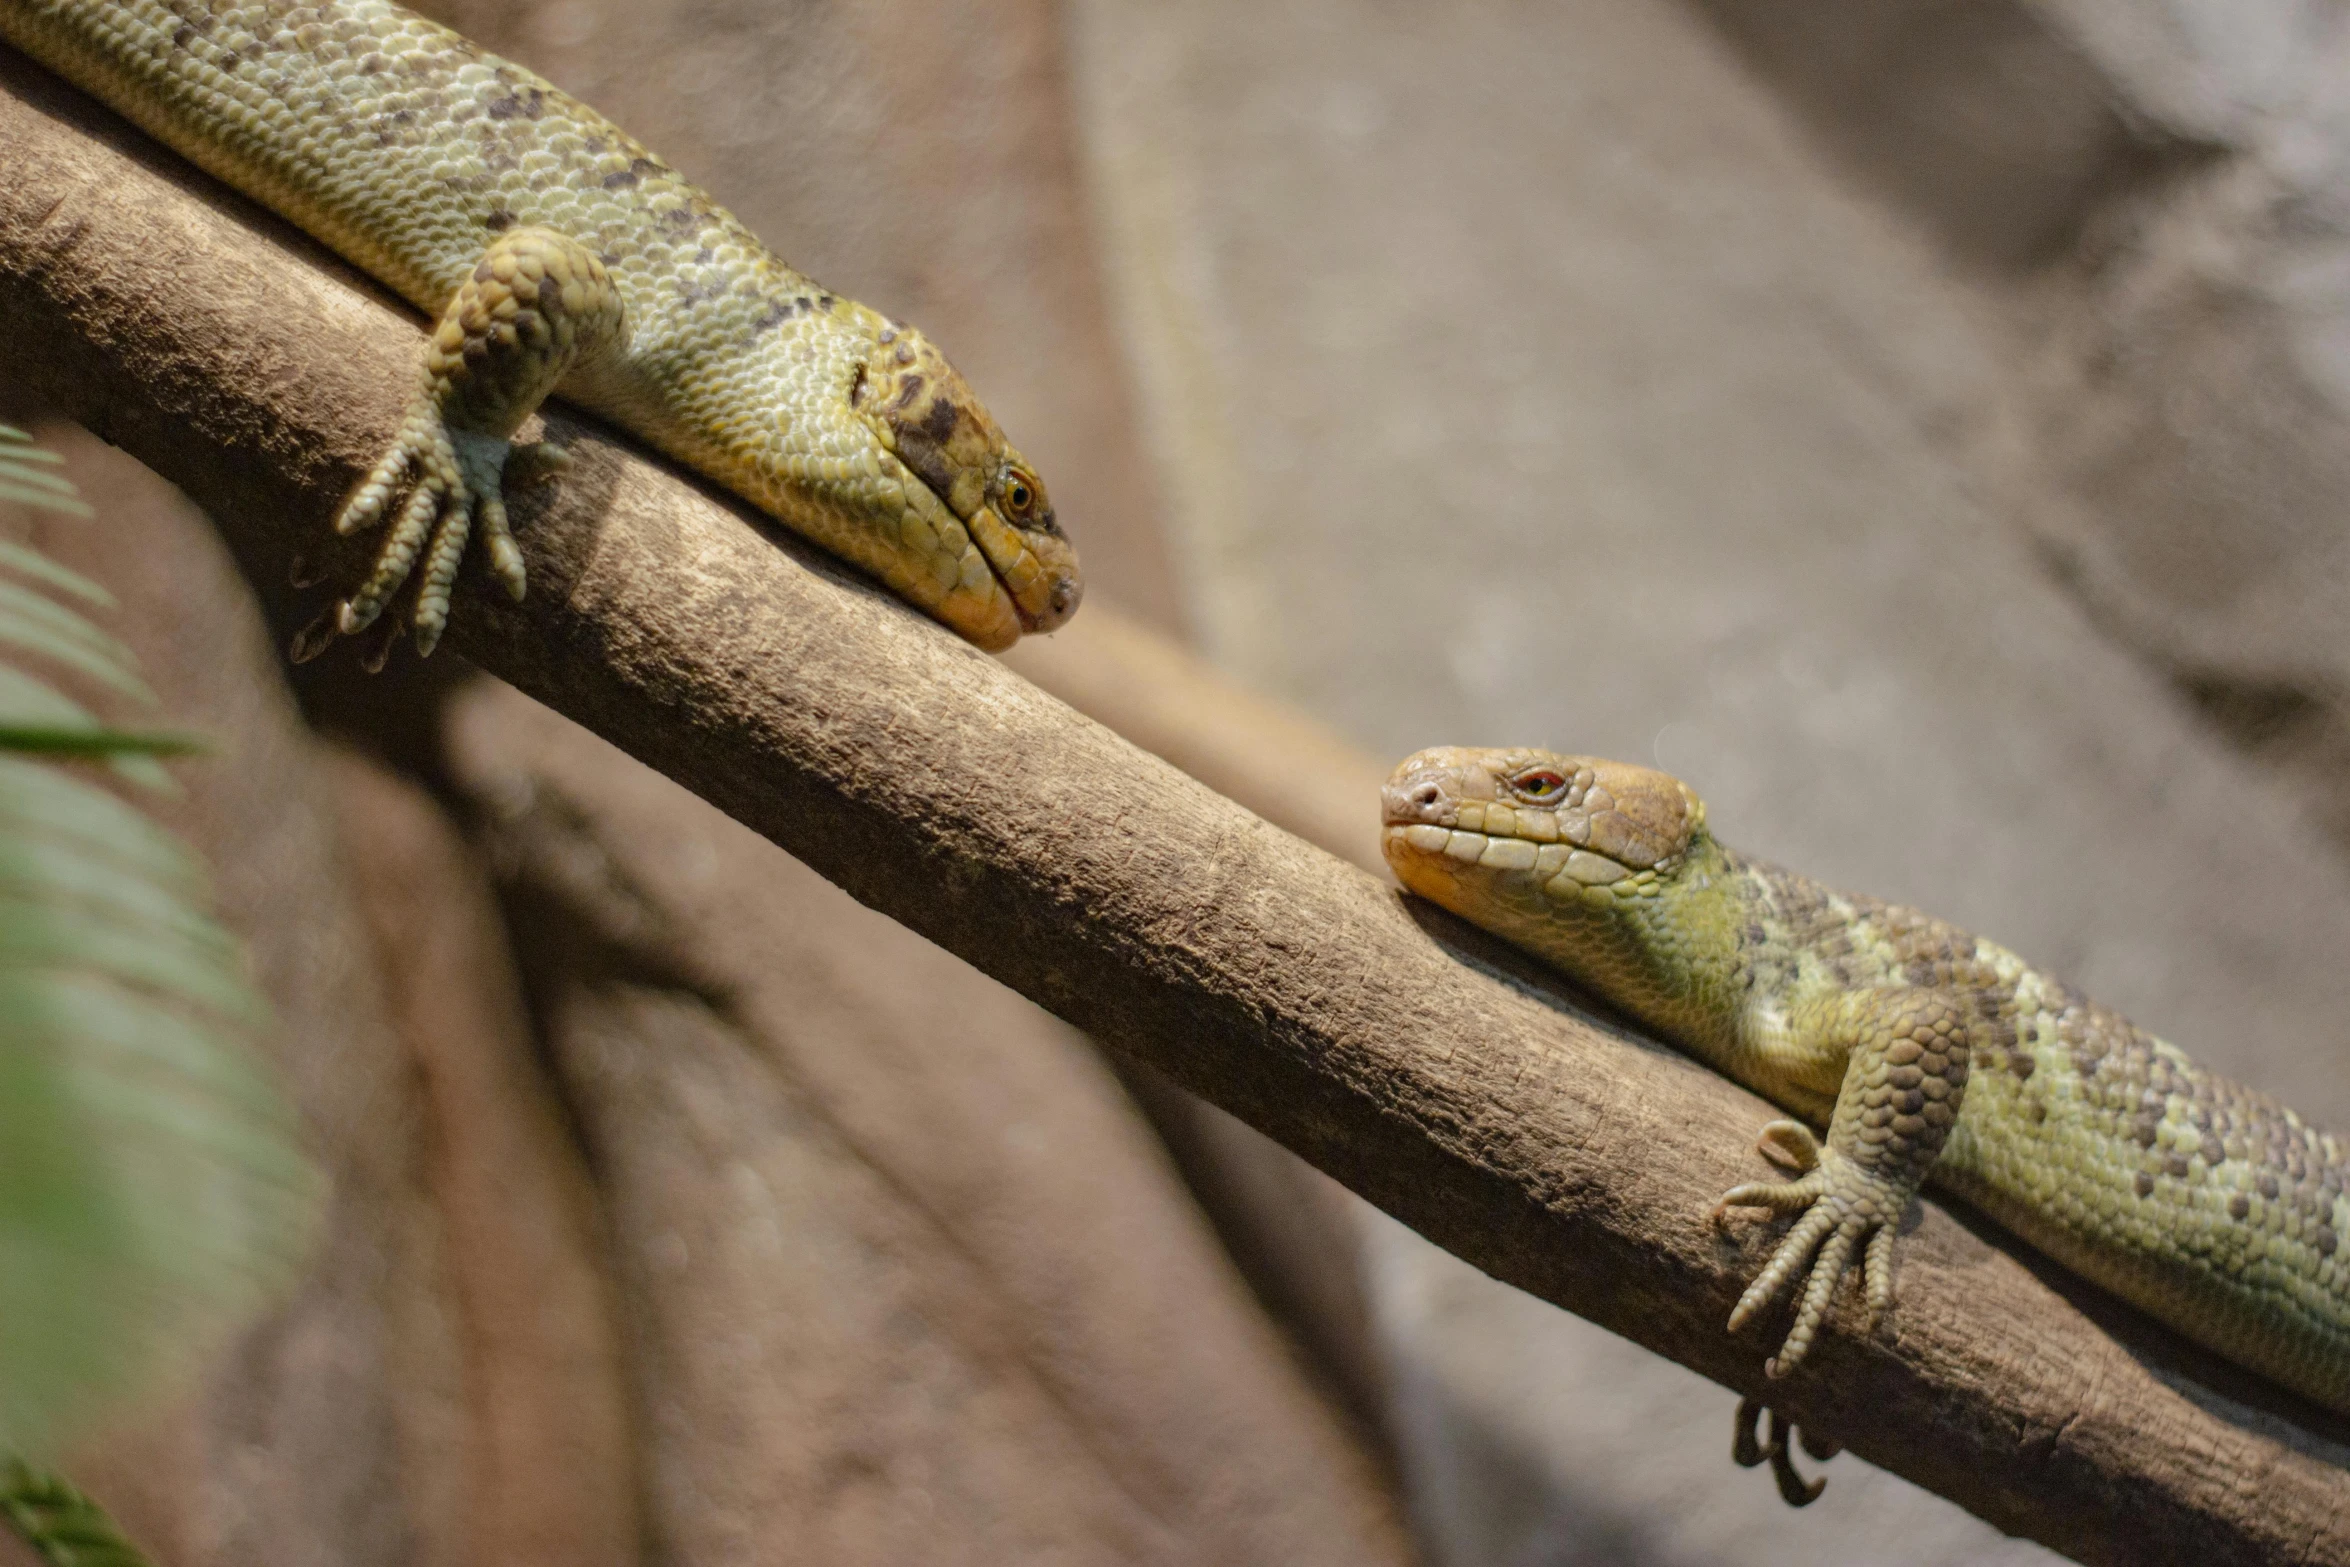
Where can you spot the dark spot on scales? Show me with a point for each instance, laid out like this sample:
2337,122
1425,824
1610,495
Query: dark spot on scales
939,423
497,223
620,179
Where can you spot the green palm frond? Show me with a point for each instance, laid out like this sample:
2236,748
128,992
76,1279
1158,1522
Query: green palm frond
64,1526
29,475
153,1193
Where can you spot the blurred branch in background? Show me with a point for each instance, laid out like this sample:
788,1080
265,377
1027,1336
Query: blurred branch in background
1416,1064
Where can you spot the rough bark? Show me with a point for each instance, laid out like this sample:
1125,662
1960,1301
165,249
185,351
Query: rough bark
1422,1067
905,1277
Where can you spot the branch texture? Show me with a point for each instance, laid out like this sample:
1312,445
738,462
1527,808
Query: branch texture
1423,1066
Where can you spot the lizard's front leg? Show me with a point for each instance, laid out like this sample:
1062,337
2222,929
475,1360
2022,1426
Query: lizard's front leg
539,305
1903,1082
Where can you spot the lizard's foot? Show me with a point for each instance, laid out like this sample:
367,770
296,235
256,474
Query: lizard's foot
537,303
1844,1207
453,478
1747,1449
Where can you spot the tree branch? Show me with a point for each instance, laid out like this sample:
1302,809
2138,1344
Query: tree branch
1423,1066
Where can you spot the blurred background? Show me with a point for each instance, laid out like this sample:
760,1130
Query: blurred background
1919,423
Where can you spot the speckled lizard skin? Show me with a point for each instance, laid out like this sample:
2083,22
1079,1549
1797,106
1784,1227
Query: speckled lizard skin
556,254
1926,1053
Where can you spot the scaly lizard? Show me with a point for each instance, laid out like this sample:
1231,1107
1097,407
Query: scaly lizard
558,255
1924,1052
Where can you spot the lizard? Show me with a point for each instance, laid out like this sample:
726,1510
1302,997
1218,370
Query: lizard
557,255
1924,1052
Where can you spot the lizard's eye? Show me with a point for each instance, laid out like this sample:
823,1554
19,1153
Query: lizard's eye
1539,787
1019,497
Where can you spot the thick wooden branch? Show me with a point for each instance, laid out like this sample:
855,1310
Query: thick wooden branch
1420,1065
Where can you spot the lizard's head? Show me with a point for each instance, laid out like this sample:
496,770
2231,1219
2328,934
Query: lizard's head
958,522
1511,837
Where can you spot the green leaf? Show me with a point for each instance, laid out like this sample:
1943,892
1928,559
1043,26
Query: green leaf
50,741
33,704
24,475
66,1528
27,562
12,488
49,934
41,801
35,625
153,1192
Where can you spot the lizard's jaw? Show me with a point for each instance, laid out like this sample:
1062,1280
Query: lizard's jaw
983,615
1038,571
1005,588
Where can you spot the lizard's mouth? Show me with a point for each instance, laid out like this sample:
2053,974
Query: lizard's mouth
1037,571
1454,815
1012,583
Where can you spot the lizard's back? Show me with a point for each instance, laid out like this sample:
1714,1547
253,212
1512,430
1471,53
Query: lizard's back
2209,1203
402,144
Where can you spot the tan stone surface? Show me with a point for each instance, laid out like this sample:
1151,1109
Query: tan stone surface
546,1454
2149,192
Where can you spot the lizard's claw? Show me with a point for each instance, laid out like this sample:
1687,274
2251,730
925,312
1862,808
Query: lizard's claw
1843,1207
454,484
538,302
1790,1145
1747,1449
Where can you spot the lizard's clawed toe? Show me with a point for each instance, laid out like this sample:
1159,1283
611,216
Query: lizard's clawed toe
1748,1449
